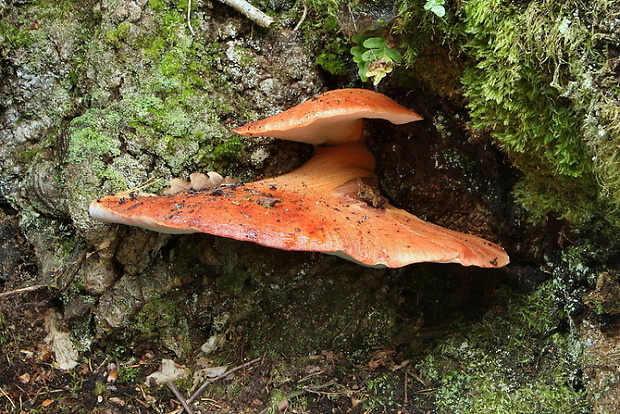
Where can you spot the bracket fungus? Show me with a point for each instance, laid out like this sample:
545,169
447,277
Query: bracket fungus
330,204
331,118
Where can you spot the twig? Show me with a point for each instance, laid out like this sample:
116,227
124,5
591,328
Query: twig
406,385
305,390
78,265
316,389
199,391
8,398
417,377
303,17
22,290
179,396
189,17
426,391
147,183
250,12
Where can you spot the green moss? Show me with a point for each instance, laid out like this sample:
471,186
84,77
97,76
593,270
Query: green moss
99,388
119,34
518,362
157,5
89,144
163,320
541,193
275,398
30,153
172,114
226,150
533,76
323,34
173,129
87,140
14,36
382,391
432,47
129,375
510,91
155,315
333,62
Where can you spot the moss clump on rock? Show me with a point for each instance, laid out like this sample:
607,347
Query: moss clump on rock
535,76
513,92
510,91
165,320
531,367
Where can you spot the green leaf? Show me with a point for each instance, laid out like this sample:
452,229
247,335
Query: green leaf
377,78
436,7
375,43
362,69
393,54
440,11
372,55
359,39
358,50
362,74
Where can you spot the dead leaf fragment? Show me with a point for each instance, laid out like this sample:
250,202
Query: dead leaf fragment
24,378
64,350
117,401
169,371
283,405
47,403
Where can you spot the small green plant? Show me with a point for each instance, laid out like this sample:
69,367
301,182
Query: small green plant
374,58
128,375
382,391
436,6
